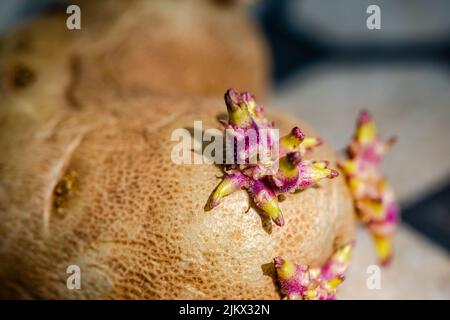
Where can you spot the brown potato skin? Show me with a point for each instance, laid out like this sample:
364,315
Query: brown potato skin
135,222
186,47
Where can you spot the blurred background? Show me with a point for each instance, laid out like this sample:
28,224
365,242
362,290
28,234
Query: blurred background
327,65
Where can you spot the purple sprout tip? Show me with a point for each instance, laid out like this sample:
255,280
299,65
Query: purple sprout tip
294,157
364,117
333,174
247,96
213,203
278,262
298,133
386,262
279,221
231,98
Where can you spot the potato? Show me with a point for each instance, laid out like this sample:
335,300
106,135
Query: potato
190,47
96,188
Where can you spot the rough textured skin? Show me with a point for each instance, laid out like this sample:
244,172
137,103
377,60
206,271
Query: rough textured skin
134,222
86,176
191,47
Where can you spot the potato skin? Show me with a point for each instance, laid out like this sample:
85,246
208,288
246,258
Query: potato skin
85,171
186,47
135,222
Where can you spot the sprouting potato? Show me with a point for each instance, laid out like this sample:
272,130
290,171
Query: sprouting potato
86,175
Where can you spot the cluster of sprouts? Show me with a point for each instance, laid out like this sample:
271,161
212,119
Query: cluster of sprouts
268,176
269,168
